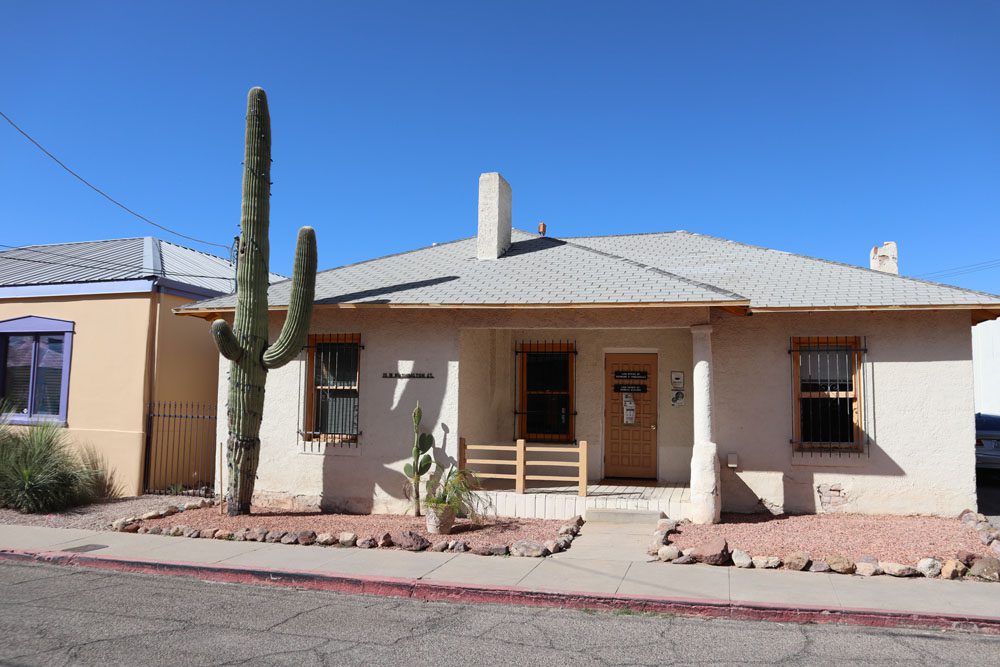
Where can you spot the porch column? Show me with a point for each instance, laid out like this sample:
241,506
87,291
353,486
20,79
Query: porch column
705,482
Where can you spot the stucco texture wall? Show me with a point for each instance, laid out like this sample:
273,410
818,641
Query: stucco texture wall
921,458
107,373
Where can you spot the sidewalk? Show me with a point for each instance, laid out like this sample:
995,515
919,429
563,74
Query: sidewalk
585,576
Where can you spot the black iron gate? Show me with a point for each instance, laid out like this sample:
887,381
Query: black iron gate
180,448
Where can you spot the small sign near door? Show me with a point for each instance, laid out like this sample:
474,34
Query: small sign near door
631,388
628,409
631,375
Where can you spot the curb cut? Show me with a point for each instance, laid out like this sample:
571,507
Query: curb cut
469,593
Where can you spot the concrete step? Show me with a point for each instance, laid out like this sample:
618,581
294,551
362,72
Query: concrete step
622,516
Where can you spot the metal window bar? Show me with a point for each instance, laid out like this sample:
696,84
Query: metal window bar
180,448
545,390
832,407
332,392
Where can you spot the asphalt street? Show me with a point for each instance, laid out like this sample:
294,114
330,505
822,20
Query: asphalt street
57,615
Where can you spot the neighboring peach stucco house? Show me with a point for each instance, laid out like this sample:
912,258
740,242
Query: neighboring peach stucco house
87,339
669,371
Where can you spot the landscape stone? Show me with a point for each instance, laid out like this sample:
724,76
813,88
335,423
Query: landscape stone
325,539
528,549
742,558
766,562
565,541
130,528
668,552
867,566
155,514
177,531
953,569
223,534
713,552
119,524
240,535
367,543
989,535
797,561
207,533
440,546
995,547
987,568
156,530
666,525
349,539
273,536
569,529
143,530
411,541
967,516
192,506
170,510
929,567
967,557
385,540
553,546
577,521
898,569
306,537
841,564
685,560
819,566
459,546
495,550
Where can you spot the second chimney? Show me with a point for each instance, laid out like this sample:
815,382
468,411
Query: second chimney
494,216
885,259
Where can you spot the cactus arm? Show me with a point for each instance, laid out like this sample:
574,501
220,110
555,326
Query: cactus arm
293,334
226,341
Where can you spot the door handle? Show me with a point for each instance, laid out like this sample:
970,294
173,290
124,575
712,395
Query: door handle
652,426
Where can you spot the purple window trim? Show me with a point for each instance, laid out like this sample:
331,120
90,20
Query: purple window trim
32,324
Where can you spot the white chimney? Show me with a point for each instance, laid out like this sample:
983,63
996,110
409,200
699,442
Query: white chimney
885,259
494,216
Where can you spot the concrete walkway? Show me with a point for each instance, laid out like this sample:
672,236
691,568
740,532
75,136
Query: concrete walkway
588,574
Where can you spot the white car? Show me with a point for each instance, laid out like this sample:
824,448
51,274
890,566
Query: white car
988,441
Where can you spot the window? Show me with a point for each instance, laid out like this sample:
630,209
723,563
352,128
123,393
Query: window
34,368
827,383
546,409
332,391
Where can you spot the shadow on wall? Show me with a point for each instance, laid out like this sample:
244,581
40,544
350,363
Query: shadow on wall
374,482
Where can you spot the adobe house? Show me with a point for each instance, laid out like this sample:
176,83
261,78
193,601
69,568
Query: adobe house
670,371
87,339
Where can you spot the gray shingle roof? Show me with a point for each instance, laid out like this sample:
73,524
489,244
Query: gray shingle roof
113,260
669,267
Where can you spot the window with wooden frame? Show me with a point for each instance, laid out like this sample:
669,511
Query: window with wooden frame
331,405
828,396
546,400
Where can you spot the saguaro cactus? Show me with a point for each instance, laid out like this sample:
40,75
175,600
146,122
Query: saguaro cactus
421,463
245,344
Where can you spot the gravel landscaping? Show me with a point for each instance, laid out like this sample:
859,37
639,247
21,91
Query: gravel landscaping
903,539
97,516
493,531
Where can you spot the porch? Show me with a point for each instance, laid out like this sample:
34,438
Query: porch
563,502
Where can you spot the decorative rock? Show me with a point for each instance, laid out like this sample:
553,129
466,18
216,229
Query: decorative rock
306,537
459,546
156,530
868,566
439,546
553,546
898,569
983,525
367,543
385,540
325,539
742,558
205,502
577,521
411,541
223,534
130,528
995,547
528,549
989,535
274,536
495,550
766,562
191,532
155,514
668,552
967,516
207,533
987,568
929,567
240,535
349,539
143,530
259,535
192,506
819,566
170,510
289,538
841,564
967,557
564,541
176,531
685,560
659,539
121,523
666,525
569,529
953,569
797,561
713,552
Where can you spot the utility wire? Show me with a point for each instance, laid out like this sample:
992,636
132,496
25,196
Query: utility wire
102,192
962,270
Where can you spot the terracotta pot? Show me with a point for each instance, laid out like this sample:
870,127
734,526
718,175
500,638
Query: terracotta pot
440,520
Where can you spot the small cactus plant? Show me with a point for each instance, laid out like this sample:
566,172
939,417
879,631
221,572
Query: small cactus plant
245,343
421,463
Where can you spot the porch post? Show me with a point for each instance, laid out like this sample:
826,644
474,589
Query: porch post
705,482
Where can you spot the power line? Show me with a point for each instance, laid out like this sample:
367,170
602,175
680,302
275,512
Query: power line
962,270
102,192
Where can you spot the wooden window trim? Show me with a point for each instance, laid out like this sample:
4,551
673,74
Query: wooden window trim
522,376
854,395
309,434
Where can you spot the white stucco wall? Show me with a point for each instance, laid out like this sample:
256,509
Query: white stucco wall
986,364
921,461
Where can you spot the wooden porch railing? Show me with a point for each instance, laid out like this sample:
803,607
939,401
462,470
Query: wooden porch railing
523,458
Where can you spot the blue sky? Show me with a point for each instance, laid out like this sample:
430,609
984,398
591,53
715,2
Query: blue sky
819,128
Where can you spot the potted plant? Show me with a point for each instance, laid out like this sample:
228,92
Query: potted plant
453,494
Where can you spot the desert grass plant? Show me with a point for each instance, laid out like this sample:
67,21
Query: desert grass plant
455,490
103,482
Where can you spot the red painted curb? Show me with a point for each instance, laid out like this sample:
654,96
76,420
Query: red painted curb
455,592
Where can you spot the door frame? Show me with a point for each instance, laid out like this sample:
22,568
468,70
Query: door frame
605,425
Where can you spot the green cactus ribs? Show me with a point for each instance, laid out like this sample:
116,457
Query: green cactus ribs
244,343
421,462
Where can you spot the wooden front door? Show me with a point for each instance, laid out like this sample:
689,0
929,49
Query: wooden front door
630,415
